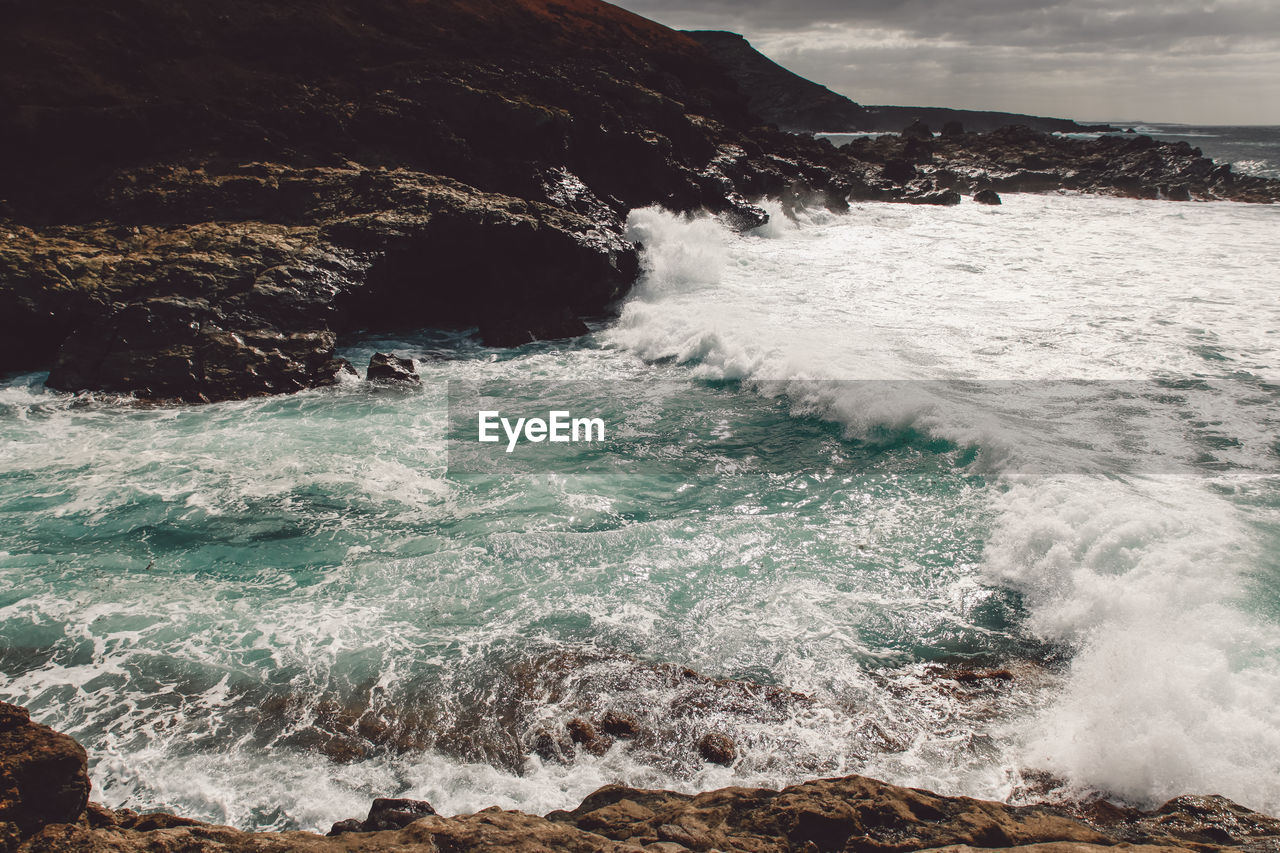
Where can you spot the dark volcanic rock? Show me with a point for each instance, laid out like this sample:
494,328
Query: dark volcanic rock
386,814
899,171
384,367
986,197
952,128
44,775
210,311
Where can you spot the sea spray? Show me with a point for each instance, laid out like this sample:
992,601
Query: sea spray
274,572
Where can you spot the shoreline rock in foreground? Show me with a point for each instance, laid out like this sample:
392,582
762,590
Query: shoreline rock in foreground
44,808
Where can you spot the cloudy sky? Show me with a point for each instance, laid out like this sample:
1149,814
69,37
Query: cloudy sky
1212,62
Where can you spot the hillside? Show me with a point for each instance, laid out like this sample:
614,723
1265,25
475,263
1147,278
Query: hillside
202,198
790,101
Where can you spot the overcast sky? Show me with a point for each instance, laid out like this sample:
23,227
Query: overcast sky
1214,62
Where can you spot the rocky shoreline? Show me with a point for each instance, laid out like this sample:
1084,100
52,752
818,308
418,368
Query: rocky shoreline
208,223
45,807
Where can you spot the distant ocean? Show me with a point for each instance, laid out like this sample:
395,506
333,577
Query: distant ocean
852,456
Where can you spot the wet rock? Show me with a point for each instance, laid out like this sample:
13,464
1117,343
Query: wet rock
548,745
717,748
386,814
987,197
898,171
351,824
157,245
585,735
620,725
43,774
384,367
952,128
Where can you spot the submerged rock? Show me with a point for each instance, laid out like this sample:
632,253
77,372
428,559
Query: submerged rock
384,367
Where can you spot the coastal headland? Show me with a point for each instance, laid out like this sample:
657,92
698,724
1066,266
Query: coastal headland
200,201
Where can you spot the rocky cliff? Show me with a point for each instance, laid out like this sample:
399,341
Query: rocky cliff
44,808
199,199
793,103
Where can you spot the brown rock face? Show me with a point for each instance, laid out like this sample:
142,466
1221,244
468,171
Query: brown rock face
43,774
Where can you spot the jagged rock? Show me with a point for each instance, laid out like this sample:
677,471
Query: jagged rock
584,734
384,367
717,748
620,725
44,775
987,197
386,813
952,128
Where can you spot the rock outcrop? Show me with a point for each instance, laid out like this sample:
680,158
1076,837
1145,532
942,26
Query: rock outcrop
43,775
1019,159
387,368
199,199
44,809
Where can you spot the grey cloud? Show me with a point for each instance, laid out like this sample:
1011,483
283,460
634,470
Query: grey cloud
1179,60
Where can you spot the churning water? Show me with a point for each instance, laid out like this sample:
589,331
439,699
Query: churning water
851,458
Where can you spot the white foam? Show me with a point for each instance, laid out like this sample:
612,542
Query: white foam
1174,683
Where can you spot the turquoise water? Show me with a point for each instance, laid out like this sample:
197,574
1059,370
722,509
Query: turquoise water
266,612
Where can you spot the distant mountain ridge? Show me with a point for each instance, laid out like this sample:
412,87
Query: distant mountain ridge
782,97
